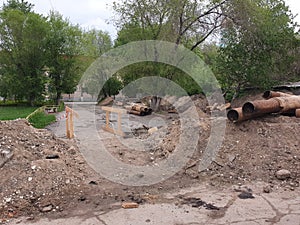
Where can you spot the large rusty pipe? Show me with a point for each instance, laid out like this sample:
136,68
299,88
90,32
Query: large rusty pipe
289,103
262,106
297,113
273,105
237,115
273,94
140,108
138,113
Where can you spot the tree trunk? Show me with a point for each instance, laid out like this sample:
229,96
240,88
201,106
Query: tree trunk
57,99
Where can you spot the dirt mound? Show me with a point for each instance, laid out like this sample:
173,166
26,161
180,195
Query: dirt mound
42,171
255,150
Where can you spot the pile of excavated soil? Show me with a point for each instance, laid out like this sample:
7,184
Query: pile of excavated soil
47,174
42,173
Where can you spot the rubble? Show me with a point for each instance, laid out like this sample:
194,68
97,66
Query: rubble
253,151
283,174
35,175
130,205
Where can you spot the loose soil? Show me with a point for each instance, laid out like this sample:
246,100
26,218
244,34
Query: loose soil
49,175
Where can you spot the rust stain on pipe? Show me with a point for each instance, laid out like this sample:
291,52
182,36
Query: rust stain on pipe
297,113
289,103
237,115
273,94
262,106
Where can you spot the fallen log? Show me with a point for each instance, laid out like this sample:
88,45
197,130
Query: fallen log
273,94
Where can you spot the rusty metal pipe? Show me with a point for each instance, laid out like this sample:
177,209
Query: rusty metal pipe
140,108
289,103
297,113
273,94
273,105
237,115
138,113
262,106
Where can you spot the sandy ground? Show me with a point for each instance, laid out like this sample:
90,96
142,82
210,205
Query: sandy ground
239,187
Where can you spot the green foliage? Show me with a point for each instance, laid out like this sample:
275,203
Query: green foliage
183,22
41,120
22,36
22,6
95,43
42,56
256,45
111,87
14,112
62,47
61,107
137,71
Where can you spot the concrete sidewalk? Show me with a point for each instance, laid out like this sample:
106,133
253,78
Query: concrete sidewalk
275,208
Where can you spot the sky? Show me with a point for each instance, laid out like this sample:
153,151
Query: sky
97,13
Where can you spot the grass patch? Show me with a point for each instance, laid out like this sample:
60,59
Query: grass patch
15,112
41,120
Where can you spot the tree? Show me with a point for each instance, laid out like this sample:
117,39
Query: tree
22,6
63,46
22,39
95,43
256,44
183,22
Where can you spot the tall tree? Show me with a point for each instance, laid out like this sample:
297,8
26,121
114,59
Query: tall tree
256,44
183,22
95,43
63,46
22,39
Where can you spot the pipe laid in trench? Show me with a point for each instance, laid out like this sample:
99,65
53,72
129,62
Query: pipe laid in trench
273,94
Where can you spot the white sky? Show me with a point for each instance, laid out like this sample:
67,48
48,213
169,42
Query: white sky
96,13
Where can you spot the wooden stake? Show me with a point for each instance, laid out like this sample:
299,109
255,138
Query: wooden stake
70,122
67,125
71,125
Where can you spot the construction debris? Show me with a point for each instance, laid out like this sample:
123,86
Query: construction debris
276,102
139,109
5,156
130,205
107,101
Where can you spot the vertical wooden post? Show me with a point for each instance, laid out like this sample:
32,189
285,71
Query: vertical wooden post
67,124
70,122
71,125
107,119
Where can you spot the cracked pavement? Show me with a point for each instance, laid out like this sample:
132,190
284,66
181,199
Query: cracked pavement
280,207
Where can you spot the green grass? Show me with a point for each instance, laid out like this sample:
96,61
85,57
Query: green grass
38,119
41,120
15,112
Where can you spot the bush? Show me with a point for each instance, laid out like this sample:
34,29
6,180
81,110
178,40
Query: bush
41,120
